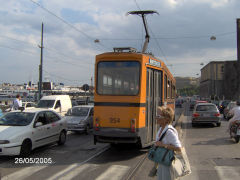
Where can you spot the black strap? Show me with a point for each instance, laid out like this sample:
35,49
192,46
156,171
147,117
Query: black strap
162,136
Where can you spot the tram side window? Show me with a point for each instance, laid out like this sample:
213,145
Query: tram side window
168,89
165,87
173,91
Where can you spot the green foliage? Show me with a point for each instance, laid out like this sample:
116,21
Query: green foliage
188,91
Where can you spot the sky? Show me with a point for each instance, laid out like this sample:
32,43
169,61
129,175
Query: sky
180,35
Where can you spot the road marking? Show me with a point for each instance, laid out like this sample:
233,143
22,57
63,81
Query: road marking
228,172
115,171
77,171
24,173
72,167
68,169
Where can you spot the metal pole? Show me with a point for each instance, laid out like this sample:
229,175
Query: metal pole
40,67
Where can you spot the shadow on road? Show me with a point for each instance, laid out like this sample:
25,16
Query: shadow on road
217,142
188,125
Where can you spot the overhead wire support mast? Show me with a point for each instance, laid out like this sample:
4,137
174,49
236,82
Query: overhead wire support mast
142,14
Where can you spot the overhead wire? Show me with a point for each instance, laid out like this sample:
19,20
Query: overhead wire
69,24
48,57
158,45
60,77
46,48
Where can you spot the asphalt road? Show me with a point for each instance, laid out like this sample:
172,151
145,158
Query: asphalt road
212,156
211,152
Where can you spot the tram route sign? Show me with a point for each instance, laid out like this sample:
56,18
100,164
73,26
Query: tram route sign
154,63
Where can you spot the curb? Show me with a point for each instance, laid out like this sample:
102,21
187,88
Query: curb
178,126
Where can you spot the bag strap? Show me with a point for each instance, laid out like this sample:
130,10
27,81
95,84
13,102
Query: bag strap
162,136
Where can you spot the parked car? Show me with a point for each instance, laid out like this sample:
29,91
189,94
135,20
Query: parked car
226,113
206,113
23,131
222,105
29,105
80,118
25,105
193,103
178,103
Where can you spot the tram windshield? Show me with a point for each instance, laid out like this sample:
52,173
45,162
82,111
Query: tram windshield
118,78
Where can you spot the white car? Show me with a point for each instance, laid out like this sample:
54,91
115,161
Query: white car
25,105
23,131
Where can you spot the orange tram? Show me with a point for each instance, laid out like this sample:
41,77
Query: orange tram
129,86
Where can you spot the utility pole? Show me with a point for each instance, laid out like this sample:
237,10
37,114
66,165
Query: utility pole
238,58
91,84
238,40
40,67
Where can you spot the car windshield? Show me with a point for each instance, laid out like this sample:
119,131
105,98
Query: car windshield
45,103
206,108
78,111
16,119
193,102
225,103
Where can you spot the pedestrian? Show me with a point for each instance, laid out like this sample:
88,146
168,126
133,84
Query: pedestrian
17,103
236,115
170,141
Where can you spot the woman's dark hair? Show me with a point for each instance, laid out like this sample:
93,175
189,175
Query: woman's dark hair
18,95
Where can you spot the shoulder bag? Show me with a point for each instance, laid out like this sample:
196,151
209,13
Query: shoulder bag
180,165
160,154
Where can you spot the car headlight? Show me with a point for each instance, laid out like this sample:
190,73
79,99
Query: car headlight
4,141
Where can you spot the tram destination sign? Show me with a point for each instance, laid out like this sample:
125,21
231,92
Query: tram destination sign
154,62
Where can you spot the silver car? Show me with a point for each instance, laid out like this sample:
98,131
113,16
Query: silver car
204,113
80,118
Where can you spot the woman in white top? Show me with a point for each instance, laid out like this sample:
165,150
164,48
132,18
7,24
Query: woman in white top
170,141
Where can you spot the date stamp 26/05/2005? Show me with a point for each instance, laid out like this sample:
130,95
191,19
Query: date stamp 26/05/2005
33,161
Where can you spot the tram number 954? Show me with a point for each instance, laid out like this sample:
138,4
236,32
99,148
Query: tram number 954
114,120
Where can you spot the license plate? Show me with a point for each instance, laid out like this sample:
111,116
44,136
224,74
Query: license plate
238,132
205,115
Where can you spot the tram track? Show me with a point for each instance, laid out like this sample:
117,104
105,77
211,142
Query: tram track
134,170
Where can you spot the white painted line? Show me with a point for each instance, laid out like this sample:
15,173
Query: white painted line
116,172
78,171
71,168
24,173
228,172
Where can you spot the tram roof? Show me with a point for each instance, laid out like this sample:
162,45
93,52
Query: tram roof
134,54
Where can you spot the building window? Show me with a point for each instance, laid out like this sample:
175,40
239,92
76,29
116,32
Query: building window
222,69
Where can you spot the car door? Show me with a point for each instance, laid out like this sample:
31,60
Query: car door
56,125
42,134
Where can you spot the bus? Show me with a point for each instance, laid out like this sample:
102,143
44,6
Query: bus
129,87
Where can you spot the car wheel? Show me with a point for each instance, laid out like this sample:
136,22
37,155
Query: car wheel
218,124
26,148
237,139
62,138
87,130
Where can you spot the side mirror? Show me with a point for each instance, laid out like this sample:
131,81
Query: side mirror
38,124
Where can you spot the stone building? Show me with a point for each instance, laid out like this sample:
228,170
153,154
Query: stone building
219,80
211,82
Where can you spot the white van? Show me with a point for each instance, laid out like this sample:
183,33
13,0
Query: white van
58,103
